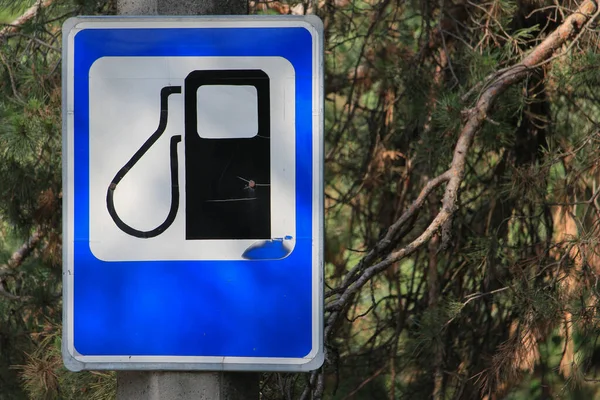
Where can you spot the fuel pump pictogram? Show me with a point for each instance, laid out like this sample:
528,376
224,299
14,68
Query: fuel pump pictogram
227,177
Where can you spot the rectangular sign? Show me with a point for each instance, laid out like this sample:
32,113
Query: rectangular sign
193,193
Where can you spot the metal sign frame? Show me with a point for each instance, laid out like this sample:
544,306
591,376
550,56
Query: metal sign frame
180,314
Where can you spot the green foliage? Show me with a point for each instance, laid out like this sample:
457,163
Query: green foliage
505,305
521,249
11,9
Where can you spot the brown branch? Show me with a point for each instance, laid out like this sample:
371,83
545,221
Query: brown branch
5,293
11,78
21,254
387,240
16,260
365,382
28,15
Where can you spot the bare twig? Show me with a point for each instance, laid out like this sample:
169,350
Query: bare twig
40,42
11,78
365,382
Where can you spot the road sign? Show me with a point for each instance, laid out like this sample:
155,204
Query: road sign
193,194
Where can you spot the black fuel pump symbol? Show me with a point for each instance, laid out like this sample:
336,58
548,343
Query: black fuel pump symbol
227,188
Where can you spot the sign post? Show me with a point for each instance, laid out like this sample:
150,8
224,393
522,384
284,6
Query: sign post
193,194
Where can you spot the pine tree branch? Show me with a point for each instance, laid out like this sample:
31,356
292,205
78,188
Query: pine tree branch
21,254
16,260
29,14
387,240
11,78
476,116
497,84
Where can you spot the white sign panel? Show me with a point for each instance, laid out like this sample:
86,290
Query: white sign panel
125,111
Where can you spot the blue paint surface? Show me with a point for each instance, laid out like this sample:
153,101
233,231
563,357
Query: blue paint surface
268,249
250,308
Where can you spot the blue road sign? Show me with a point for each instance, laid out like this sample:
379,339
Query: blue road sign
193,193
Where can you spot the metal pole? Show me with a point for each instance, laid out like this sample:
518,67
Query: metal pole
182,7
172,385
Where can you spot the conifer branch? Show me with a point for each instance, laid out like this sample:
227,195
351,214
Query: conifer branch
392,231
21,254
475,117
28,15
5,293
16,260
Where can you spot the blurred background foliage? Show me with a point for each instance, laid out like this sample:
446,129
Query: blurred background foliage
506,307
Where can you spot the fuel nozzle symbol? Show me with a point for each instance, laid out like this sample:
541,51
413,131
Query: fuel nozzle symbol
162,125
